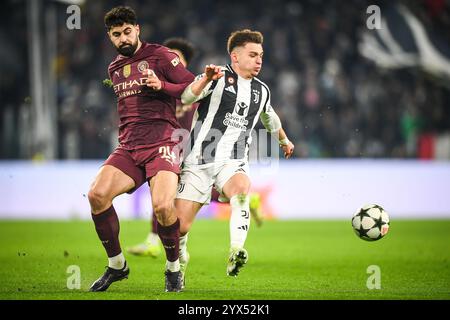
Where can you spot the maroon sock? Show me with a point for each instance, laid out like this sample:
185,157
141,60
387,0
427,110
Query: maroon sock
107,227
170,238
215,195
154,224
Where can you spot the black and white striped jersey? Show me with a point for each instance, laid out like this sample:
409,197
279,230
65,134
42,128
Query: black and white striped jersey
225,118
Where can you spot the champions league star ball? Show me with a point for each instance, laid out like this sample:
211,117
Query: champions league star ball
371,222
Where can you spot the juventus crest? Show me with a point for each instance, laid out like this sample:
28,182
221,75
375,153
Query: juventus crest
256,95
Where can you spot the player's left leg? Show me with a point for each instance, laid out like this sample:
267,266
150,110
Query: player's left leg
236,189
163,188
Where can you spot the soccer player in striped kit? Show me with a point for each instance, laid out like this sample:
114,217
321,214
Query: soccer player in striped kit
231,100
185,113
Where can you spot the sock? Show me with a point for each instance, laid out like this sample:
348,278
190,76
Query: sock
240,220
117,262
107,227
170,238
154,224
173,266
183,245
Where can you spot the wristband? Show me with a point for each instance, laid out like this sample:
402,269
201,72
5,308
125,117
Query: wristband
284,142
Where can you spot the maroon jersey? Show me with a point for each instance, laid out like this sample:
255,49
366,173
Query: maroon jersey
147,117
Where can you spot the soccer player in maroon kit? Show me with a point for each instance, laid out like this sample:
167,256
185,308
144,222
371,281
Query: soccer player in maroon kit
184,114
147,78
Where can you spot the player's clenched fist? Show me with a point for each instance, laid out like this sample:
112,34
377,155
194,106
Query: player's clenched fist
213,72
288,149
152,80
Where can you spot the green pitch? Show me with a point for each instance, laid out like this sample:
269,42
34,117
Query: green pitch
287,260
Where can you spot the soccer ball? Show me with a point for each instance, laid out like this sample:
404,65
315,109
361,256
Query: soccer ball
370,222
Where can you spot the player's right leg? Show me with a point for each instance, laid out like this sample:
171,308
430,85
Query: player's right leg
186,211
194,190
109,183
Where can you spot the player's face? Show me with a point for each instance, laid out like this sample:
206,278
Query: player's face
249,58
125,38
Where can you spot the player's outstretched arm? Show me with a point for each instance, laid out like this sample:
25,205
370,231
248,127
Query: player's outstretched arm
212,72
198,89
176,76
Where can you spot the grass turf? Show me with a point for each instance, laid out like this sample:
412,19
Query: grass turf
287,260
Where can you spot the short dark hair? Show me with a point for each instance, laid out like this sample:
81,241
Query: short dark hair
183,45
118,16
242,37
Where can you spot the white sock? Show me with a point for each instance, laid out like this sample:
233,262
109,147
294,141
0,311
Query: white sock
240,220
173,266
117,262
183,245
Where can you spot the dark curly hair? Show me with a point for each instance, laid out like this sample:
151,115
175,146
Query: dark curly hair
118,16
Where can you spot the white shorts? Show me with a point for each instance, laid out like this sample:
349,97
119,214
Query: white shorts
196,181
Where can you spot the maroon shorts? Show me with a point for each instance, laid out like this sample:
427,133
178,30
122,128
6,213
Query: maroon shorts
142,164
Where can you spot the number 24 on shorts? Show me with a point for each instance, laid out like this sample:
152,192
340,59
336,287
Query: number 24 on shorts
167,155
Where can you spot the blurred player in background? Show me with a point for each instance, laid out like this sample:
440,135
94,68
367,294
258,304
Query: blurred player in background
231,101
146,80
185,113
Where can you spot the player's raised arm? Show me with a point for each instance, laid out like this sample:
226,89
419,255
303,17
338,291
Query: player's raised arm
178,77
199,89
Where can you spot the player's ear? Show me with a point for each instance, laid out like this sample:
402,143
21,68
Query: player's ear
138,30
234,56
